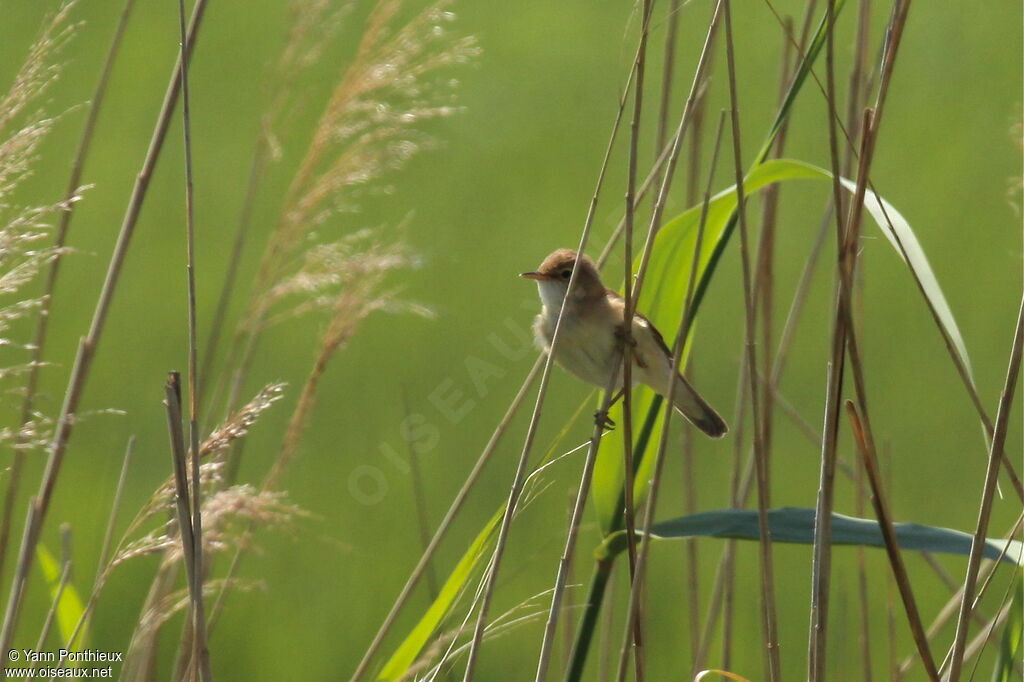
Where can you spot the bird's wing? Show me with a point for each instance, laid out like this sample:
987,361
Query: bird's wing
655,369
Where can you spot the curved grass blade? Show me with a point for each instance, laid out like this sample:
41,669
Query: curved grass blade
70,608
796,525
1013,637
663,297
414,643
411,647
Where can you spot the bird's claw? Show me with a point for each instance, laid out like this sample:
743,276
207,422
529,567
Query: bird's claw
602,419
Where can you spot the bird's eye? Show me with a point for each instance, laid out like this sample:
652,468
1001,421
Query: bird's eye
566,274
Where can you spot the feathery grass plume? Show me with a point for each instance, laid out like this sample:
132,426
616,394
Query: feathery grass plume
345,279
312,23
175,602
23,126
22,130
212,469
370,126
238,425
228,514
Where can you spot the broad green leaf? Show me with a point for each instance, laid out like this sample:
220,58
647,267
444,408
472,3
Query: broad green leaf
665,290
796,525
411,647
70,608
1013,637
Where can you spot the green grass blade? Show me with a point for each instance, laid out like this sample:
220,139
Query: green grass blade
428,624
70,607
1012,641
665,292
796,525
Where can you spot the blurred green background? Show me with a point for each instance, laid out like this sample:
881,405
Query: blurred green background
511,181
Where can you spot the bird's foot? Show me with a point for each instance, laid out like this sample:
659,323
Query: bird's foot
602,419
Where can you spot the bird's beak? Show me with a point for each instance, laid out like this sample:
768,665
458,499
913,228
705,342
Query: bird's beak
533,275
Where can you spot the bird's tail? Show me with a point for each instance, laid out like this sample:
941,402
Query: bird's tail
691,405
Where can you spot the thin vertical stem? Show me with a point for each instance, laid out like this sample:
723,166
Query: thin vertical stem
627,324
582,494
420,498
200,652
892,548
767,570
822,563
987,495
685,319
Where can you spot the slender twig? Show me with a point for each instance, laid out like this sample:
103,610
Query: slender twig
182,498
420,498
46,300
87,348
685,320
629,306
667,71
724,582
988,493
257,166
822,563
200,652
51,613
570,542
115,507
446,523
103,567
862,581
691,488
986,572
767,572
892,548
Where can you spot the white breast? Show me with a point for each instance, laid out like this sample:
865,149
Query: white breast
586,345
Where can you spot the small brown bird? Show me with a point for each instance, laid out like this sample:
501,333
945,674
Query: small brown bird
590,341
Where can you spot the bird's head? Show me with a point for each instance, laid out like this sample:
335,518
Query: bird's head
555,272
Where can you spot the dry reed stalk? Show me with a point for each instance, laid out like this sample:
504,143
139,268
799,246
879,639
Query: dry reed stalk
582,494
627,334
191,551
87,349
345,278
682,333
420,499
988,493
846,237
767,571
200,655
892,548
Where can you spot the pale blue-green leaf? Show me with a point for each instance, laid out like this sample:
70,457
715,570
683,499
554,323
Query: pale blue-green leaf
796,525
